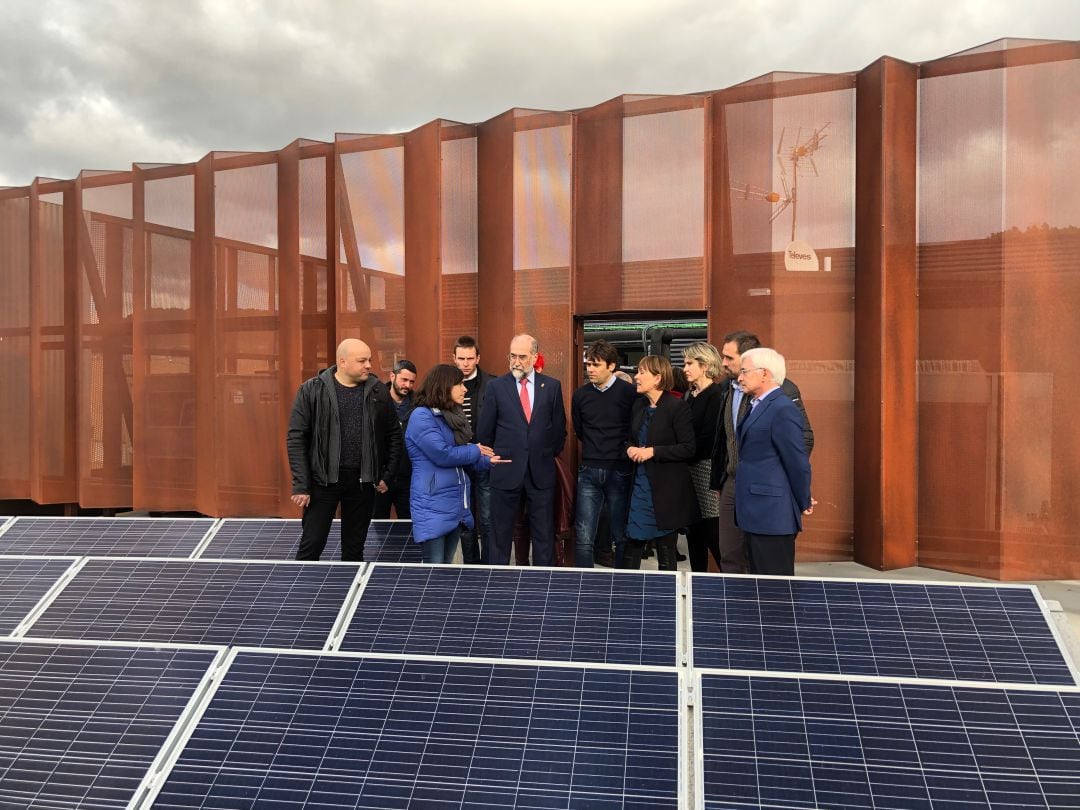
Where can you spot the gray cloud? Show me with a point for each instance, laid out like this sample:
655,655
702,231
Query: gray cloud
103,83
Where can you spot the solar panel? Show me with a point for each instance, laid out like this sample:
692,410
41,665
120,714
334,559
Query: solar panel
803,742
117,537
23,583
80,725
387,541
951,632
337,731
171,601
523,613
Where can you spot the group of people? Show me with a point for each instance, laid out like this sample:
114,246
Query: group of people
465,453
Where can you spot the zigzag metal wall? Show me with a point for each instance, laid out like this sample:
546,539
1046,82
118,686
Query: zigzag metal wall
155,323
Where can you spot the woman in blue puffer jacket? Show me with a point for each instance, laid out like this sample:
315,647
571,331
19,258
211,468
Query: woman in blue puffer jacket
439,441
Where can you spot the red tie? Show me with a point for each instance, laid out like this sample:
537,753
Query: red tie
525,406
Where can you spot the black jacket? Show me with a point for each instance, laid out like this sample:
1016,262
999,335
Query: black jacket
314,436
482,380
705,408
723,425
671,435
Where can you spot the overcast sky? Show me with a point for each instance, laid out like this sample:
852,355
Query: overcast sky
93,84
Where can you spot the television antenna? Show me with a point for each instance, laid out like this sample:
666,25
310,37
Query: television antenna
794,159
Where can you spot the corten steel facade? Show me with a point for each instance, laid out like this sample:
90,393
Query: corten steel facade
155,323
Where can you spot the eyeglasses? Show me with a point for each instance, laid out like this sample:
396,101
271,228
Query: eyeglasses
748,370
521,358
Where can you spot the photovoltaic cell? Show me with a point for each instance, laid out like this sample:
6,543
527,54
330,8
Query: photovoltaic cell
116,537
324,732
172,601
80,725
950,632
22,584
802,743
523,613
387,541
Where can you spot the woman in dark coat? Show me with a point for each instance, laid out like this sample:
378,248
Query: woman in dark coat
661,443
702,364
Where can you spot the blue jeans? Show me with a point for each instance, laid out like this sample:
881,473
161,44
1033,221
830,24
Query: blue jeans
441,549
597,486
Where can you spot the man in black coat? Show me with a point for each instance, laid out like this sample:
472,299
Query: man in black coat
467,359
402,382
725,456
344,443
524,420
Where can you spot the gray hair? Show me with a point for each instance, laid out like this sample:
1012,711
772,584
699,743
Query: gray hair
707,355
768,359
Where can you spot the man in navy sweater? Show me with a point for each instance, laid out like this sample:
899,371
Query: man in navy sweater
601,414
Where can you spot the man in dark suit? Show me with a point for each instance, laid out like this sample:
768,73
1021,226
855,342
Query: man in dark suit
725,455
524,418
772,481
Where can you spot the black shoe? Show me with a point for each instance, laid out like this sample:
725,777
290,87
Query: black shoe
680,556
604,558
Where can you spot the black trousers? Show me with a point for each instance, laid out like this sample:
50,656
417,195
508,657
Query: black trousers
731,538
703,538
540,504
357,501
398,497
771,554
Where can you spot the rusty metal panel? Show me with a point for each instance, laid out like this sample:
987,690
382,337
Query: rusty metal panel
496,323
885,494
316,207
998,224
458,236
543,245
53,354
247,419
423,239
302,285
370,212
104,249
598,166
164,339
806,312
15,400
641,164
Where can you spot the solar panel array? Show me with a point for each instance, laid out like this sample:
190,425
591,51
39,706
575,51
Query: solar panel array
23,584
912,630
200,602
322,731
789,742
387,685
112,537
555,615
387,541
80,725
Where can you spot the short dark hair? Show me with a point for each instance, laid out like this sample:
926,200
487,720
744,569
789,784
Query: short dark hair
435,390
743,340
661,367
467,342
603,351
404,365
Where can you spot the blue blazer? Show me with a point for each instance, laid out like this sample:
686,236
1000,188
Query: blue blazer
531,446
439,493
772,481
